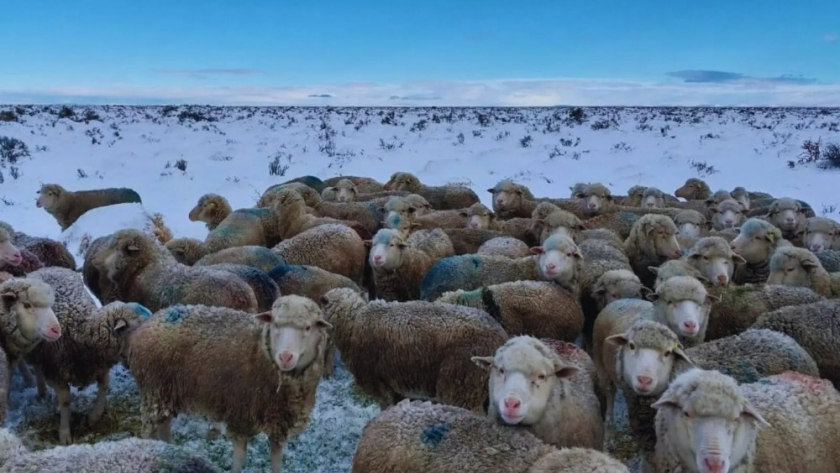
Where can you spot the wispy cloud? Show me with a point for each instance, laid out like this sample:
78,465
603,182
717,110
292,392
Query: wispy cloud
830,37
204,73
509,92
706,76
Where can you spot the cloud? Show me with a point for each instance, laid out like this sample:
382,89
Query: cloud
204,73
704,76
738,91
830,37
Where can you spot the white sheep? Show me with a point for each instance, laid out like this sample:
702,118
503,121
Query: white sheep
707,423
555,400
254,372
26,317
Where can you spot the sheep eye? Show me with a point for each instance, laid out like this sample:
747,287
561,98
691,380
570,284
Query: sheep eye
307,328
686,414
541,377
632,346
706,258
501,370
668,353
27,305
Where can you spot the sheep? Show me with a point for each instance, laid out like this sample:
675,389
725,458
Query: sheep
243,227
91,344
259,257
599,258
332,247
617,284
129,455
354,214
96,279
478,216
398,268
675,267
714,260
595,199
189,251
830,260
5,385
440,197
787,215
264,287
396,211
537,308
633,199
620,223
553,222
467,241
67,206
181,359
308,281
691,223
26,318
314,182
820,233
755,243
417,436
706,422
559,260
652,198
694,189
364,185
741,195
146,273
512,200
9,254
504,246
343,191
761,206
49,252
814,326
727,213
211,209
530,386
379,342
682,304
651,242
310,196
793,266
292,218
435,243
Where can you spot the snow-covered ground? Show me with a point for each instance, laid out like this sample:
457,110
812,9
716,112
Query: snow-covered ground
173,155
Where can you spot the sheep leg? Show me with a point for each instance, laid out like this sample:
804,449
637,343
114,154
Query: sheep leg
609,431
276,442
101,400
26,374
240,448
40,383
164,430
62,391
329,361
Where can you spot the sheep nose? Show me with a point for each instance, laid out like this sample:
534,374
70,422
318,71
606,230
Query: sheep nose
550,266
690,325
728,222
644,381
722,279
592,205
713,465
500,202
286,358
789,220
55,330
512,403
816,248
377,259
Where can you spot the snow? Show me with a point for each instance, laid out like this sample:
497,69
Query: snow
229,151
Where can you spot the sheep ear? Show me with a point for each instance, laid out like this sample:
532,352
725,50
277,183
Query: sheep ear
580,195
738,259
578,254
484,362
666,402
120,325
491,215
132,248
354,190
414,225
770,237
598,288
323,324
750,412
380,210
411,210
562,371
324,300
646,290
519,192
608,197
702,279
491,190
402,246
211,205
712,299
693,255
536,250
9,298
653,269
809,264
264,317
463,214
653,297
619,339
678,351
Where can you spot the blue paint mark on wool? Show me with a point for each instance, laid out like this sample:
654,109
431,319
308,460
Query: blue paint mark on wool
141,310
394,221
434,434
383,236
175,314
256,212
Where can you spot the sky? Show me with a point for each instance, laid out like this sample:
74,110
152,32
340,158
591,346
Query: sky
422,52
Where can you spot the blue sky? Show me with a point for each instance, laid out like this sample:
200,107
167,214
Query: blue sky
423,52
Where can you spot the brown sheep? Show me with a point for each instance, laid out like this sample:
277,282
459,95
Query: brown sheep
67,206
49,252
440,197
651,242
364,185
211,209
333,247
799,267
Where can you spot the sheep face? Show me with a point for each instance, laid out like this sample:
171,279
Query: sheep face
786,214
689,229
522,377
30,307
559,260
727,214
49,195
664,241
9,254
506,197
634,196
345,191
710,427
292,332
206,208
652,199
646,357
741,196
386,250
594,199
790,267
683,303
820,234
478,216
402,181
691,190
396,207
420,205
714,259
755,241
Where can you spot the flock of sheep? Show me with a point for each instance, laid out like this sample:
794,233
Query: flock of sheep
494,340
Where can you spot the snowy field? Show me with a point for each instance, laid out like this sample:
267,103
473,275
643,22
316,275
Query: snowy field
173,155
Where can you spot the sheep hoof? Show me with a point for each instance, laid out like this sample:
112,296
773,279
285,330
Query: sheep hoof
64,437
